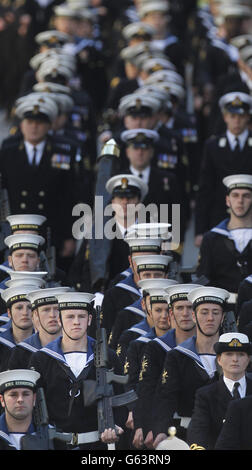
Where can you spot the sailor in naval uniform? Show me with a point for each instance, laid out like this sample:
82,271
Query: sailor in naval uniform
46,186
224,155
190,365
125,292
65,364
158,311
225,253
182,328
17,397
19,311
127,321
233,352
24,250
45,317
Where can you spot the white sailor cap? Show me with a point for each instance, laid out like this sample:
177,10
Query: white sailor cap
179,292
36,107
238,182
52,38
35,282
138,29
140,137
143,245
162,76
54,67
157,93
151,230
26,222
64,102
246,52
18,378
233,341
152,262
41,297
150,7
79,3
19,293
138,105
65,59
206,295
146,284
241,41
64,9
172,442
85,14
50,87
157,295
33,278
22,275
176,90
236,102
23,241
155,64
237,11
75,300
126,184
129,53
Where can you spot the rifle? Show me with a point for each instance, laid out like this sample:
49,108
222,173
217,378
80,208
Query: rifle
45,434
106,400
108,165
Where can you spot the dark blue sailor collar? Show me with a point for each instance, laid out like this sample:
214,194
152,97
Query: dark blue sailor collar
168,340
7,338
142,327
188,348
129,284
54,350
148,336
4,432
222,228
32,343
136,307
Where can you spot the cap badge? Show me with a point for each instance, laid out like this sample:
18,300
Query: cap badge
235,343
138,103
236,101
124,183
35,109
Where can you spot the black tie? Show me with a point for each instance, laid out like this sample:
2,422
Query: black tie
236,393
34,156
237,147
140,175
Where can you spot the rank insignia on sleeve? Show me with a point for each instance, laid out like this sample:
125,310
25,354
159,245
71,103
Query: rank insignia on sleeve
126,367
164,376
143,368
119,350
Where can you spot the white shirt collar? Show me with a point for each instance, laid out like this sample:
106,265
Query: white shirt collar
145,173
30,148
242,138
230,384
